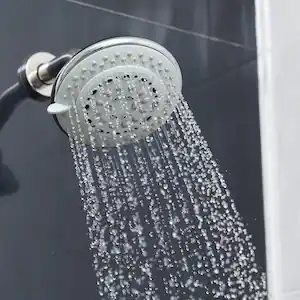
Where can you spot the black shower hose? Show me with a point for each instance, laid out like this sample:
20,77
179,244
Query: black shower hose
10,100
14,95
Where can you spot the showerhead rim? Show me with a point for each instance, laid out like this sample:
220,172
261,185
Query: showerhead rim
116,41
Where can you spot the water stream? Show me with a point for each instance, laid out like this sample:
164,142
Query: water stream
161,220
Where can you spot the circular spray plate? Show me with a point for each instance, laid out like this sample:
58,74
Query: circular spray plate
117,94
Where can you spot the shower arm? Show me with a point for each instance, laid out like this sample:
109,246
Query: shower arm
35,80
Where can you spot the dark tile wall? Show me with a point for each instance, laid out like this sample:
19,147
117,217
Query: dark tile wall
203,17
43,243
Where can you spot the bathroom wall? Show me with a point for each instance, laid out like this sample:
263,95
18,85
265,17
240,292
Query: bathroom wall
278,29
43,243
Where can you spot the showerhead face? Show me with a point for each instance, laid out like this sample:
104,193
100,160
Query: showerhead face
118,91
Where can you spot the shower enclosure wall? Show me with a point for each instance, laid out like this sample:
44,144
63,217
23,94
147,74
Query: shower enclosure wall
278,31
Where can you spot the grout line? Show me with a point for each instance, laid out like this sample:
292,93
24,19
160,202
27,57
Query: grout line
170,27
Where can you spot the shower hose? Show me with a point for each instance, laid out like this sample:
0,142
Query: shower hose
14,95
9,100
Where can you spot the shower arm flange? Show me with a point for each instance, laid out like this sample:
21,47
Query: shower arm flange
35,80
38,74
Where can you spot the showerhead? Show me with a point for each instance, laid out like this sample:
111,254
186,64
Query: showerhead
119,90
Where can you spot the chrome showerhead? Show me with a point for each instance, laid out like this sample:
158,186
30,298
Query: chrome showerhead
119,90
